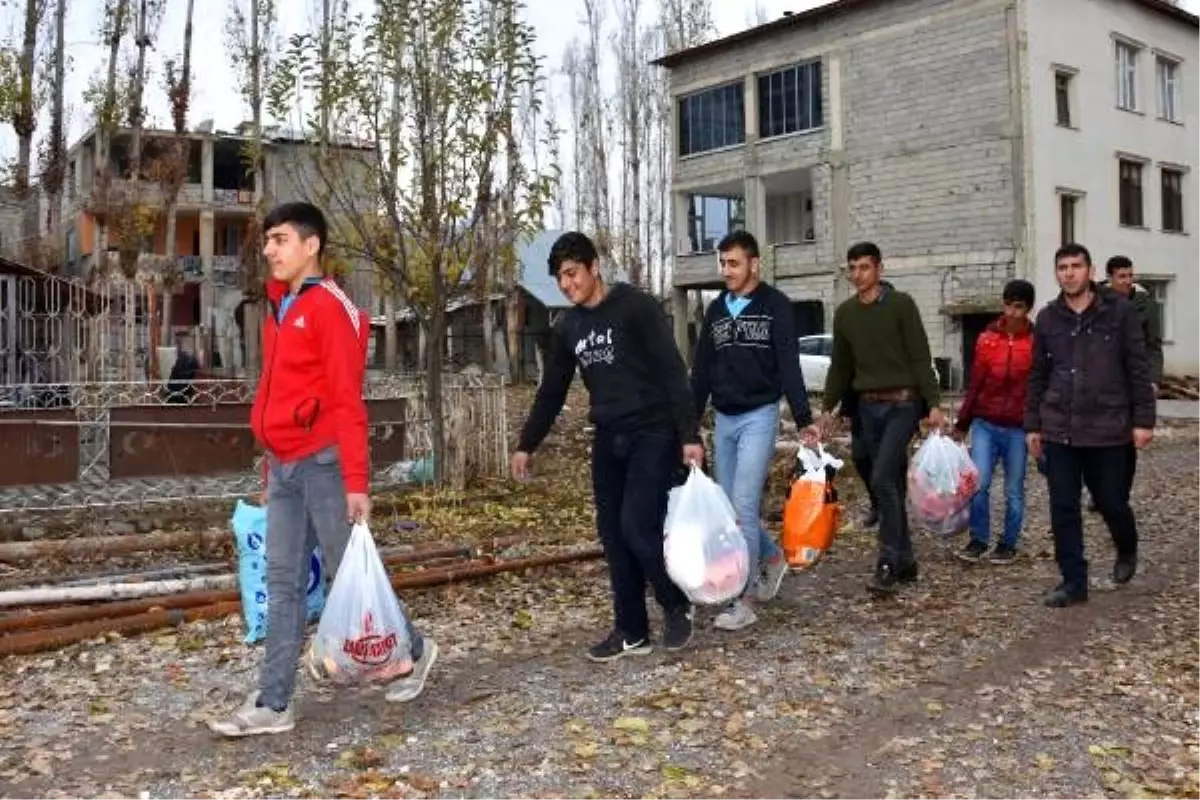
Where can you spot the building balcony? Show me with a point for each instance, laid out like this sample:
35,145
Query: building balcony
233,198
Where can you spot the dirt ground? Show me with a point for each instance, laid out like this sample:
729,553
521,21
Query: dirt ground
964,686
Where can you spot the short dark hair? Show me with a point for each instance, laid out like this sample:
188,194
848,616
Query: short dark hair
306,218
739,238
1118,262
572,246
864,250
1072,249
1019,291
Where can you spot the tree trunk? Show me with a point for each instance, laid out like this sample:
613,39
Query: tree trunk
101,183
514,310
390,334
25,123
253,310
57,167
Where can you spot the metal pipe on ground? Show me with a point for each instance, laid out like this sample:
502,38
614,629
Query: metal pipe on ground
53,638
111,545
112,609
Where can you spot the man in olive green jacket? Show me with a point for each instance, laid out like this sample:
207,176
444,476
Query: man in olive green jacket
1121,281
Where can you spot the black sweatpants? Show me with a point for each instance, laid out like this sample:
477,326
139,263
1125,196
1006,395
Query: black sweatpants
862,458
1108,474
888,427
631,476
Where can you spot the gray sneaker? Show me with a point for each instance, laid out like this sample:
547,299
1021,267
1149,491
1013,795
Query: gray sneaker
768,586
410,686
737,616
253,720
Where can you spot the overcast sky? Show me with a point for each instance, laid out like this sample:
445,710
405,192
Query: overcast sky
214,86
215,95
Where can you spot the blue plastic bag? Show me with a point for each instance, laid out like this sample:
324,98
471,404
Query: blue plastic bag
250,530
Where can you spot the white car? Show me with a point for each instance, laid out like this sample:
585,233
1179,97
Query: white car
815,352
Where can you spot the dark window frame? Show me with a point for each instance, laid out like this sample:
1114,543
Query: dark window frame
1068,206
711,119
1131,194
1062,98
1171,189
804,101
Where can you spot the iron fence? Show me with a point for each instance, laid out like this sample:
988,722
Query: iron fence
110,444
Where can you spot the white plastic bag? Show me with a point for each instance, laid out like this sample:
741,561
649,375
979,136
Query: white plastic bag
363,635
942,479
705,552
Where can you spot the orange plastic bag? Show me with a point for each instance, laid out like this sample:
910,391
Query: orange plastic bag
811,512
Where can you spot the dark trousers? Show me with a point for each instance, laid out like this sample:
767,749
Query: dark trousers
1108,474
861,458
887,429
631,476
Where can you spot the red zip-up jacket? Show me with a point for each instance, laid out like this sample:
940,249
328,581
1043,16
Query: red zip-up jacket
310,395
998,377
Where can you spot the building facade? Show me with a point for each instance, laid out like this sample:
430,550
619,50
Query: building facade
910,123
214,208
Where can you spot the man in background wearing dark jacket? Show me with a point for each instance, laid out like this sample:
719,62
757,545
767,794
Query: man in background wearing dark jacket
1121,281
1089,399
646,428
747,358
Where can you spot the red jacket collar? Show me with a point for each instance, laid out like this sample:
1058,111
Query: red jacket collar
997,326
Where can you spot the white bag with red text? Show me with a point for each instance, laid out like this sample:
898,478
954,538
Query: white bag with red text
363,634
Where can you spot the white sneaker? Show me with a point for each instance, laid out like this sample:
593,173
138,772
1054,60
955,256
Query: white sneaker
253,720
768,586
737,616
410,686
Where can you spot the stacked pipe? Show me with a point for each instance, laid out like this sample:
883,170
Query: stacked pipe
138,607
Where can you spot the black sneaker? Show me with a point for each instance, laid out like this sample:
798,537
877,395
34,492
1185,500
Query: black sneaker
973,551
908,574
884,581
677,628
1002,555
617,645
1124,569
1064,596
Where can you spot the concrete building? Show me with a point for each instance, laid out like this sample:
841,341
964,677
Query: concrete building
214,208
929,127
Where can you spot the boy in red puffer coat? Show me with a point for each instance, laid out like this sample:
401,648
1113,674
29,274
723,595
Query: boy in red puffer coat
994,412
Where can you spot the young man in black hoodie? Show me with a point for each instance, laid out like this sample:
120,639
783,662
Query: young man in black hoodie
747,359
646,427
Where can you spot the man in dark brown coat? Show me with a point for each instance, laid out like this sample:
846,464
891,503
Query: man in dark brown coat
1089,397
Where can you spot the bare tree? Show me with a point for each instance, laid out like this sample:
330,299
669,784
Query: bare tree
572,69
593,128
422,93
172,166
253,42
22,113
631,84
107,115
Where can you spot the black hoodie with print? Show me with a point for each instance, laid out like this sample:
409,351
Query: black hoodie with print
626,354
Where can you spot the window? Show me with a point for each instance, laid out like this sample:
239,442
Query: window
1067,203
1172,200
1168,89
789,100
1131,193
1127,56
712,119
710,218
1062,98
1158,289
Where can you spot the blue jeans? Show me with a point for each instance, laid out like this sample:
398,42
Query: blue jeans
745,444
991,444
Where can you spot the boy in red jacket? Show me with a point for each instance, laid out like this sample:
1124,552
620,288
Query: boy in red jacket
994,411
310,417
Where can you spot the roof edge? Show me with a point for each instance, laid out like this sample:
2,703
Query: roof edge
680,57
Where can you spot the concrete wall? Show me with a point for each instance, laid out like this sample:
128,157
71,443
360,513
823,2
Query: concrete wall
1083,159
920,151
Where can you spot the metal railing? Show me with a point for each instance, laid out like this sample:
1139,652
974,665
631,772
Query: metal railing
113,444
